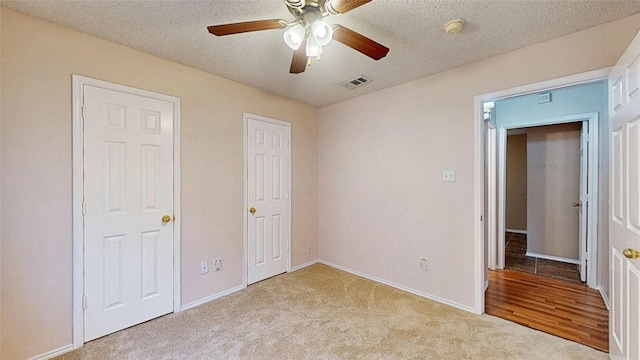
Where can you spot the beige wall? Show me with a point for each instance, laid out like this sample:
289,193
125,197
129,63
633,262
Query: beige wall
381,158
516,198
553,184
37,61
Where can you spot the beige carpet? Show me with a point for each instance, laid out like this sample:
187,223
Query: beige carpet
323,313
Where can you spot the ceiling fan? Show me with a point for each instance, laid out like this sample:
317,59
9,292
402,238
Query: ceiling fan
308,33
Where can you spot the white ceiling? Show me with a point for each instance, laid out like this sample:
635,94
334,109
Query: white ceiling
412,29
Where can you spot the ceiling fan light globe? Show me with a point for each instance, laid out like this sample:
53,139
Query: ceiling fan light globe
322,32
294,36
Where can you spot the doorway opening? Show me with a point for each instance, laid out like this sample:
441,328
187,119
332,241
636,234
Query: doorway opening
554,218
546,199
581,102
542,169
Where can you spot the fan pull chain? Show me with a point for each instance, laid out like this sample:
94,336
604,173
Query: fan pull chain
308,61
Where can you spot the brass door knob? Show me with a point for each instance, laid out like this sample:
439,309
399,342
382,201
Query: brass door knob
631,253
166,219
252,210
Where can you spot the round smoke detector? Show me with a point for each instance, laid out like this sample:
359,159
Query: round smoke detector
454,26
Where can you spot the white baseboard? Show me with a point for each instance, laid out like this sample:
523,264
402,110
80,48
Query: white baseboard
211,297
515,231
400,287
605,298
555,258
302,266
53,353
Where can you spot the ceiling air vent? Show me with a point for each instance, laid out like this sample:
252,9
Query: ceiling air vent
357,82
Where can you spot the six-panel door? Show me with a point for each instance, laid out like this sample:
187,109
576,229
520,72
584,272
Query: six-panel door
624,223
128,188
268,229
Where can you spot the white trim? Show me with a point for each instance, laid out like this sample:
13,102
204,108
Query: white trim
53,353
605,298
502,194
206,299
478,235
486,285
515,231
78,82
554,258
245,208
490,218
245,218
398,286
77,224
302,266
177,201
478,211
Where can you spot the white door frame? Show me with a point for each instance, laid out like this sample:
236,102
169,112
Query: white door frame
491,196
479,247
592,175
78,82
245,174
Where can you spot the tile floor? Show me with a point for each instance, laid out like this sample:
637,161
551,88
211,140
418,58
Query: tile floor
516,259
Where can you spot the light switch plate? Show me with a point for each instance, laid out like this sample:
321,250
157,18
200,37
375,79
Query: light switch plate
448,175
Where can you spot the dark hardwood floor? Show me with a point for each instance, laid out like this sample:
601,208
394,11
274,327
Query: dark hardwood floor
568,310
516,259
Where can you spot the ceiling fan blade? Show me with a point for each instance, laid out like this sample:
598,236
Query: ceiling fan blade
337,7
299,61
242,27
359,42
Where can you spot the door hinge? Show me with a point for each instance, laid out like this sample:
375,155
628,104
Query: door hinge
286,141
84,208
84,112
287,248
84,302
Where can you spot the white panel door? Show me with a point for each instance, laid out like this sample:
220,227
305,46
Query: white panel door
583,205
268,224
128,188
624,222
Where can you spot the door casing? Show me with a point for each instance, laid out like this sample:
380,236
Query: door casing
479,248
245,197
78,83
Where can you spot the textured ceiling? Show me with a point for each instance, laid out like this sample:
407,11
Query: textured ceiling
412,29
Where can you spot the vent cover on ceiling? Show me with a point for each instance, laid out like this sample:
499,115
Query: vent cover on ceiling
357,82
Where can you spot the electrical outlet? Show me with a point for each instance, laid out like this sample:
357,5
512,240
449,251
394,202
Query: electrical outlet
424,264
217,264
204,267
308,248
